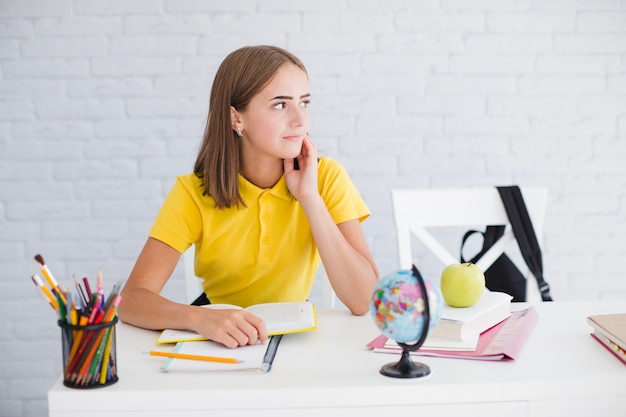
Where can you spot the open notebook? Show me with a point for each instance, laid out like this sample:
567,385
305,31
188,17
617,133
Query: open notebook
250,357
279,317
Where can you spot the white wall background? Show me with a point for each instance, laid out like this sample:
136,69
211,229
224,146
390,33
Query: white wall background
102,103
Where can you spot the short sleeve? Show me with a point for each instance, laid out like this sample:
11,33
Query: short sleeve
342,198
179,222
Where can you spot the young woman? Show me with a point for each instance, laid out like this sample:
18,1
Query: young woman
260,208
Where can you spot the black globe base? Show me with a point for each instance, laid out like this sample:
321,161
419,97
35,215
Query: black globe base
405,368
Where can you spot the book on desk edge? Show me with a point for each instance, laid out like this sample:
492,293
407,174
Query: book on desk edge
280,318
611,346
610,331
612,326
463,323
503,341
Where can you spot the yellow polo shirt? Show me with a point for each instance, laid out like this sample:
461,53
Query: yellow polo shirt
263,252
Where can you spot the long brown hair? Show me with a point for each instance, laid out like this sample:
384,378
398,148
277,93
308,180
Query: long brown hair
241,75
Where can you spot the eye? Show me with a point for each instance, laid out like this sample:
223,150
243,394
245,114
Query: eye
280,106
305,103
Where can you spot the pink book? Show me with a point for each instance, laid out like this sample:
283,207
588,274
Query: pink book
504,341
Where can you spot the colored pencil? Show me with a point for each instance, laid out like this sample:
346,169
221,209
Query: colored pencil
105,361
87,287
88,352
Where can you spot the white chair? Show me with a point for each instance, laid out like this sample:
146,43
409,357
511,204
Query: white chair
193,286
415,210
328,298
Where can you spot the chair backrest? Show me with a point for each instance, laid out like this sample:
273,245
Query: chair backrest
193,286
417,209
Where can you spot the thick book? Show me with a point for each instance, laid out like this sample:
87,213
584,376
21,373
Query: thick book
467,322
279,318
503,341
612,326
610,331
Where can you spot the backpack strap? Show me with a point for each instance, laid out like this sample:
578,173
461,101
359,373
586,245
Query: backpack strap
525,235
491,234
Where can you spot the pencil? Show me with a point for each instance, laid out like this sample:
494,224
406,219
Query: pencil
194,357
81,322
105,361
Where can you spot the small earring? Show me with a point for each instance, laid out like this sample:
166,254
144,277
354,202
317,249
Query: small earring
239,133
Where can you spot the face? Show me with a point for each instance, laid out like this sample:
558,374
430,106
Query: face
277,118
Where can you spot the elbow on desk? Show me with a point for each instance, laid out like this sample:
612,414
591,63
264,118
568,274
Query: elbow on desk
359,309
360,312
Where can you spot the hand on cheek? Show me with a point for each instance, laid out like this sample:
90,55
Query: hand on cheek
303,180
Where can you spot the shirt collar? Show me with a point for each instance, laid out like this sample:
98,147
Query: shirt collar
251,192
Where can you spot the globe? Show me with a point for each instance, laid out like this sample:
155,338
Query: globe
397,306
405,307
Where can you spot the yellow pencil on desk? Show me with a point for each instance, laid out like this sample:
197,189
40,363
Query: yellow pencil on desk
194,357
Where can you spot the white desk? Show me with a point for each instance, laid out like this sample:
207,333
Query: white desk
562,371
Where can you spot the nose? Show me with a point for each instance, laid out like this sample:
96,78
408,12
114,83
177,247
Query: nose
299,116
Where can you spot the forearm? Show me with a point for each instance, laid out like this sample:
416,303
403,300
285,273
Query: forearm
142,305
345,256
143,308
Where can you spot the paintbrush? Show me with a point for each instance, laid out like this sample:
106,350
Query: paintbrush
54,286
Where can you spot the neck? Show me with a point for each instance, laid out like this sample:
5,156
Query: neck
263,175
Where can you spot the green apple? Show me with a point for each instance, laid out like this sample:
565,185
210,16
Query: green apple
462,285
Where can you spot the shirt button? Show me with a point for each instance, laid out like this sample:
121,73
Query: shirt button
265,217
266,241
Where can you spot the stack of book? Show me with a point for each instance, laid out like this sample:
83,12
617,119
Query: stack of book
488,330
610,331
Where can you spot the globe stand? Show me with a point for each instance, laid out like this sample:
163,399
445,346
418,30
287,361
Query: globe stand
405,367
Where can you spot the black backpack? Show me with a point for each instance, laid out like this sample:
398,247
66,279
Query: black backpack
503,275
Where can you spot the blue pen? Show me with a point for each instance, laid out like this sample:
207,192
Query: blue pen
270,353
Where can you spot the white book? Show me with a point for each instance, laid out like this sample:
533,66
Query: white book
462,323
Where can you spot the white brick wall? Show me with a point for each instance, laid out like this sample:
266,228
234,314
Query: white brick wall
102,103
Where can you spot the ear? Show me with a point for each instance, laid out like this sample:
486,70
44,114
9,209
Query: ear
235,119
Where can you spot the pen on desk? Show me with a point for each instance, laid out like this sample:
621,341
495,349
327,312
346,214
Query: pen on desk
270,353
194,357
